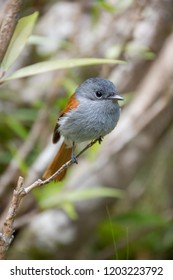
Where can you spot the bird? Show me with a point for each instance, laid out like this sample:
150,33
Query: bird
91,113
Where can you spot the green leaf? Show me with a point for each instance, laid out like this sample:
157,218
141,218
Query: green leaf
17,127
51,65
50,190
70,210
16,156
53,189
142,218
22,32
64,197
105,5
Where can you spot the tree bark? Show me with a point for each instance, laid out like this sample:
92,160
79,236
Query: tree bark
10,19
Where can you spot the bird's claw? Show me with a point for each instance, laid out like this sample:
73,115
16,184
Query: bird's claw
74,159
100,139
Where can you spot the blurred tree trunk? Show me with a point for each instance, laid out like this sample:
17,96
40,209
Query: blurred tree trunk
7,27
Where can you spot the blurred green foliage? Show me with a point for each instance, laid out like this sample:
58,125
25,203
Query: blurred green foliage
18,41
54,195
131,230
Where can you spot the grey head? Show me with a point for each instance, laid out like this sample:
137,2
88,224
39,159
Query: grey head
98,89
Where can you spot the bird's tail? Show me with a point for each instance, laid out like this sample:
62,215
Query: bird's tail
62,156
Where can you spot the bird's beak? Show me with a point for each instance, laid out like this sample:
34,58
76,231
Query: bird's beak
115,97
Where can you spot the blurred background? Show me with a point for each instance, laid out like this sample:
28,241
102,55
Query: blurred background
137,157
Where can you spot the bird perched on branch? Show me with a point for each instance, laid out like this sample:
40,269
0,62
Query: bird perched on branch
91,113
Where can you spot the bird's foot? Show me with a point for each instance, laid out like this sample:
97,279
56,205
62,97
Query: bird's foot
74,159
100,139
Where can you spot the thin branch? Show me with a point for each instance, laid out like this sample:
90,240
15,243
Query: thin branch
11,15
7,231
40,182
6,236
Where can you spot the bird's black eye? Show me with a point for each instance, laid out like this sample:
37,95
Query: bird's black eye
99,94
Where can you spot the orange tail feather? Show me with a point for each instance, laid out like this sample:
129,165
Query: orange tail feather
62,156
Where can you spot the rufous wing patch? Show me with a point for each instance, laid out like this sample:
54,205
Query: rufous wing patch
72,104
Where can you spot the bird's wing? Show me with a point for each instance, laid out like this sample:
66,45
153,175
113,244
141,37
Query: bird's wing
72,104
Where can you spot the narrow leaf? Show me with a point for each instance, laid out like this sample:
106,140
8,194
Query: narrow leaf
17,127
46,66
77,195
22,32
70,210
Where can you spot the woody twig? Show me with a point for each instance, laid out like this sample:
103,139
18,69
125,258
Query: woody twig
6,236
